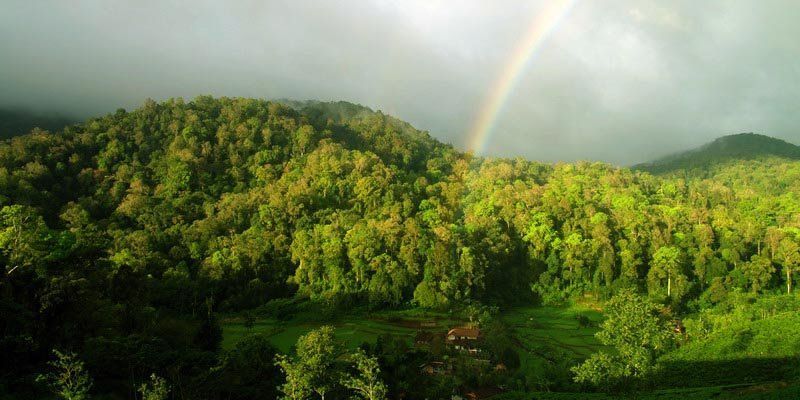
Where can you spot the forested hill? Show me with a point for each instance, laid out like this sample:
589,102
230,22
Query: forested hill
18,122
250,199
135,228
743,146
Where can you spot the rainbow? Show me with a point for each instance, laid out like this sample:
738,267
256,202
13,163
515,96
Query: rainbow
543,23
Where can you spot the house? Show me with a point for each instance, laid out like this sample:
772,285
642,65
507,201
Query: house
463,334
464,339
436,368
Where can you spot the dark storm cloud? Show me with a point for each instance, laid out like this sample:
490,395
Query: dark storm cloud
621,81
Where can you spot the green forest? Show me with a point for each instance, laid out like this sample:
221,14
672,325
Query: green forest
157,253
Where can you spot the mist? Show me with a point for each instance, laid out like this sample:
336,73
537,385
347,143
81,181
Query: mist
616,81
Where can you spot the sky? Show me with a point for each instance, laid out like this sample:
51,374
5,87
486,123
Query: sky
621,81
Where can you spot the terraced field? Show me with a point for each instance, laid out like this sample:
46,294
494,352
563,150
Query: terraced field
552,335
350,330
556,327
543,334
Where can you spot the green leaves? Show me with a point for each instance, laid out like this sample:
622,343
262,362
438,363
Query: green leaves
148,212
667,269
25,240
347,201
366,383
316,369
789,255
311,371
68,378
156,389
637,330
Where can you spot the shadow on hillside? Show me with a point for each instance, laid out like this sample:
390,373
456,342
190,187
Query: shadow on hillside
726,372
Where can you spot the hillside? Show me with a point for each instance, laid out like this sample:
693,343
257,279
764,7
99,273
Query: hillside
19,122
743,146
128,236
744,338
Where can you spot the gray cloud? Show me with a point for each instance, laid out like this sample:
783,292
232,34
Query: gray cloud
621,81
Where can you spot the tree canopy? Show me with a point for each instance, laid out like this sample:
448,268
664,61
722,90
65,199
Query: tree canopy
164,215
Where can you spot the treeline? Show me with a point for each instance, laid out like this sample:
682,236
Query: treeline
240,196
738,147
142,224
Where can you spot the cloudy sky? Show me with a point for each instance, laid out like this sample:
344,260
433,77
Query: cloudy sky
621,81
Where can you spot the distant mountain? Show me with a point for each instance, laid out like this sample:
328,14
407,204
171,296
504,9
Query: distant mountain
742,146
18,122
338,111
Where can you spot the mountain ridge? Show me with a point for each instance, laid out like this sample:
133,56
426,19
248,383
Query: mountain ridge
741,146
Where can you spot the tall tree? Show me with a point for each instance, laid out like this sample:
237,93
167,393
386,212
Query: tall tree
789,254
758,272
156,389
367,382
312,369
24,238
68,379
667,265
637,330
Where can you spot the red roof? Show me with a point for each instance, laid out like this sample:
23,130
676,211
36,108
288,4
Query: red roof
466,332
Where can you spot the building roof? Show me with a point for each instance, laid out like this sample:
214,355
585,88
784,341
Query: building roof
468,332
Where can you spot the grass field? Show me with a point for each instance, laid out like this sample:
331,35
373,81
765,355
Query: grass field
351,330
546,338
555,327
541,333
552,335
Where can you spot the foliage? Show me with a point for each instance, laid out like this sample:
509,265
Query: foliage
238,197
130,232
68,379
156,389
746,338
367,382
247,371
315,370
638,332
736,147
311,371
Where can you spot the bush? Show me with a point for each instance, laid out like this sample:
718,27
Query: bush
583,321
282,309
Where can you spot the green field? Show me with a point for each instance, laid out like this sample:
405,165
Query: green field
555,327
547,339
542,334
351,330
549,335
